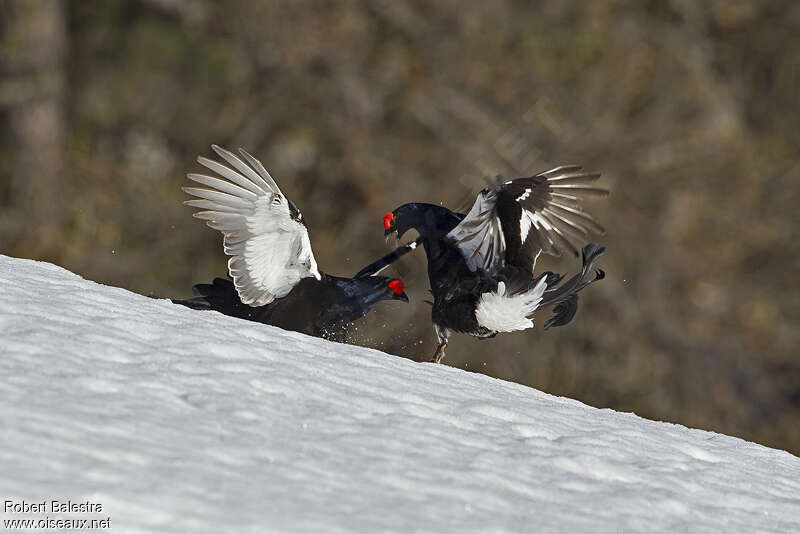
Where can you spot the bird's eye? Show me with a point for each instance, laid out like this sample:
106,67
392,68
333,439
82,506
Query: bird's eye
397,285
388,219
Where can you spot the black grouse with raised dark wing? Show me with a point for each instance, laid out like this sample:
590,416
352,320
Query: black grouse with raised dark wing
275,276
480,265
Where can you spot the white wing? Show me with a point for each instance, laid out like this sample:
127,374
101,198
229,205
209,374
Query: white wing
264,231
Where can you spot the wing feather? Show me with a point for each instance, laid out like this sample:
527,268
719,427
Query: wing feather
576,216
222,185
226,199
259,168
230,174
255,172
565,224
513,222
268,243
561,170
209,205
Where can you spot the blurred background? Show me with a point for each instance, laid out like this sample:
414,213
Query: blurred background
689,109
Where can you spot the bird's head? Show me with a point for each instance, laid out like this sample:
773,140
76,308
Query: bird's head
391,227
402,219
397,289
427,219
373,289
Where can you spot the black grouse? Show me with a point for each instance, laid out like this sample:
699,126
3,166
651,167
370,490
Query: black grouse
480,265
275,276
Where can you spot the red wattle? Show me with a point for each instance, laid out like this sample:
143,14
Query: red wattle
397,286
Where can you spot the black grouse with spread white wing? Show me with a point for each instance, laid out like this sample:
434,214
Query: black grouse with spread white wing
275,276
480,265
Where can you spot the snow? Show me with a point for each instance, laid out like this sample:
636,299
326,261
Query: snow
176,420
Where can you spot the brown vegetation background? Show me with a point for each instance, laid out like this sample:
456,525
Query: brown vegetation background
690,110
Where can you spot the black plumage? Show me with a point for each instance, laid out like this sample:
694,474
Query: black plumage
323,308
480,264
275,279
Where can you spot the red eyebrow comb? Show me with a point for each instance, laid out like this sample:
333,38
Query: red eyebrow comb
397,285
387,220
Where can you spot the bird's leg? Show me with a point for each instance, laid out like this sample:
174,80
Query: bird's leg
439,354
442,334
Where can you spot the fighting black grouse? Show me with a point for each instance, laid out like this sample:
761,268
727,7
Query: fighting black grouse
275,276
480,265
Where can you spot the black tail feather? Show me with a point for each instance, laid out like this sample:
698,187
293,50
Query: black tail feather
563,312
198,303
565,298
380,264
219,295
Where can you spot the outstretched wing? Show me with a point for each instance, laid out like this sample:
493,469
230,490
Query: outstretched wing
517,220
264,231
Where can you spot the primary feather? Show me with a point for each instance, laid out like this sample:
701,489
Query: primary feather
263,230
513,222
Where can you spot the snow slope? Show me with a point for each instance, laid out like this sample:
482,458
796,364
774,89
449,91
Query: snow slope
176,420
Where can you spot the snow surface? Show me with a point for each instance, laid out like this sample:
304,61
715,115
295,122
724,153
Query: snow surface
183,421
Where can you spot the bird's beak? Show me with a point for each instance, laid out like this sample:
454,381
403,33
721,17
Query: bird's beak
400,296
